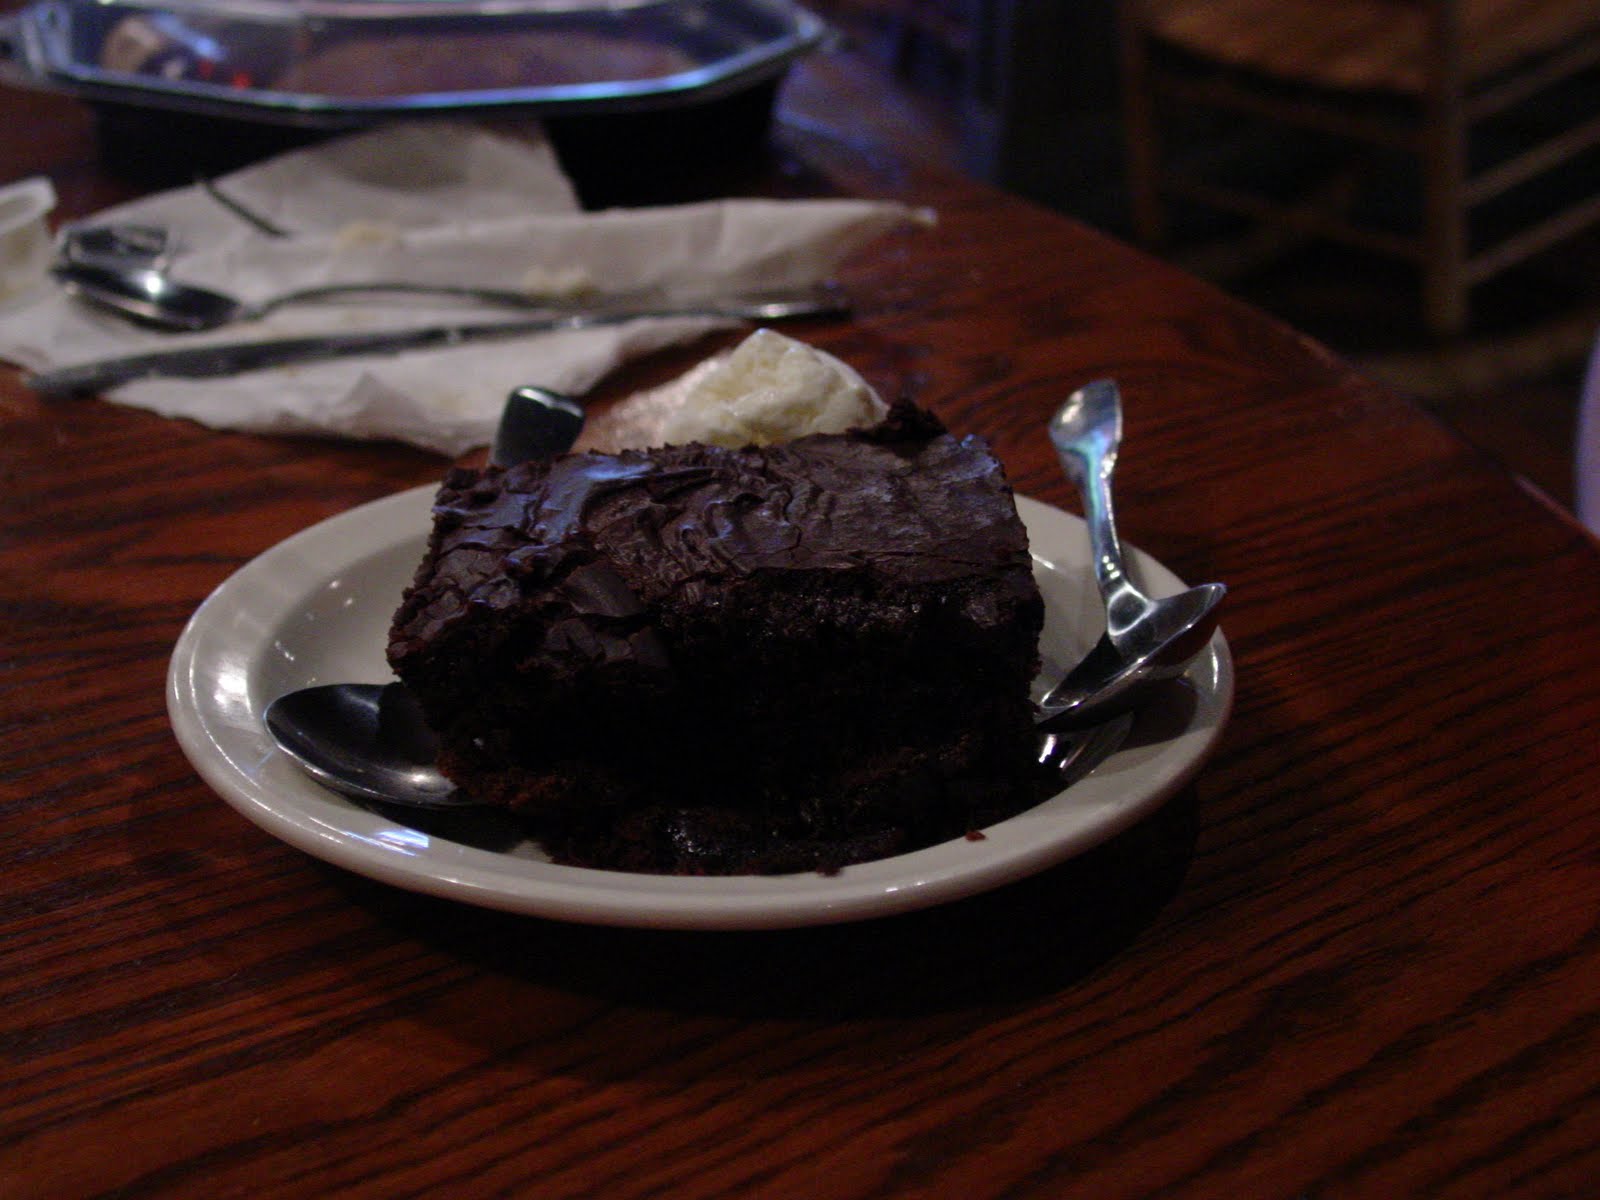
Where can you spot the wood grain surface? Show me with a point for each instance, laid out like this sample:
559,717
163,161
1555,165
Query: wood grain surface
1358,957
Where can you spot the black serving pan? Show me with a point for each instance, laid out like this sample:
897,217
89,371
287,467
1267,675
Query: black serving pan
625,87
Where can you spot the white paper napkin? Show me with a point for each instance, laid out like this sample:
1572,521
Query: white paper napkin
431,203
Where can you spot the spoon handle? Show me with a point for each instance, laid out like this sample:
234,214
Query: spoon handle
499,297
1087,432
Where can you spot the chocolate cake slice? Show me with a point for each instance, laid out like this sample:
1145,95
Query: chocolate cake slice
703,660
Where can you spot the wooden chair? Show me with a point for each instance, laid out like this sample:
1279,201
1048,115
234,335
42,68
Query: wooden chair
1439,84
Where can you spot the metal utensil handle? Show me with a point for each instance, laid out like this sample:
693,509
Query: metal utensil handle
1089,461
504,298
236,358
233,358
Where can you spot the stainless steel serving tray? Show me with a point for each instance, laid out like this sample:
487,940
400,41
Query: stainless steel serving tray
335,63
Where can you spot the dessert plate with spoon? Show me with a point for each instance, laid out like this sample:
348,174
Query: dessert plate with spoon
255,654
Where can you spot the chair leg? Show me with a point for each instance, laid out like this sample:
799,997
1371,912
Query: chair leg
1141,138
1444,166
1444,277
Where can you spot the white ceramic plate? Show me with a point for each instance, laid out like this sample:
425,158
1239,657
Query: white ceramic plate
316,608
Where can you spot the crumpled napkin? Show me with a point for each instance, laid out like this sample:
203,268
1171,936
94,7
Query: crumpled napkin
432,202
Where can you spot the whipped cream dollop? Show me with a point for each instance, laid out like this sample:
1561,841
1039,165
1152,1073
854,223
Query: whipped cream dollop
770,388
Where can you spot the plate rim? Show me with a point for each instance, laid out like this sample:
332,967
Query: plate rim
218,727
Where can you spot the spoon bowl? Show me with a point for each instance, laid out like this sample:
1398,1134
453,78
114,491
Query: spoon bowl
1146,640
368,741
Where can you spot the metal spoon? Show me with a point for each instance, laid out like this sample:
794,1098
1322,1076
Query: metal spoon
371,741
368,741
535,423
151,297
1146,641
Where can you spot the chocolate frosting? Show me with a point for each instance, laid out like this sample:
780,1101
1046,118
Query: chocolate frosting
594,540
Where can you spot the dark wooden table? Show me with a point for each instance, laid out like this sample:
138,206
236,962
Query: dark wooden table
1359,956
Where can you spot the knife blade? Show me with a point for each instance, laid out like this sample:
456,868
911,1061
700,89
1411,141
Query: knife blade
236,358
